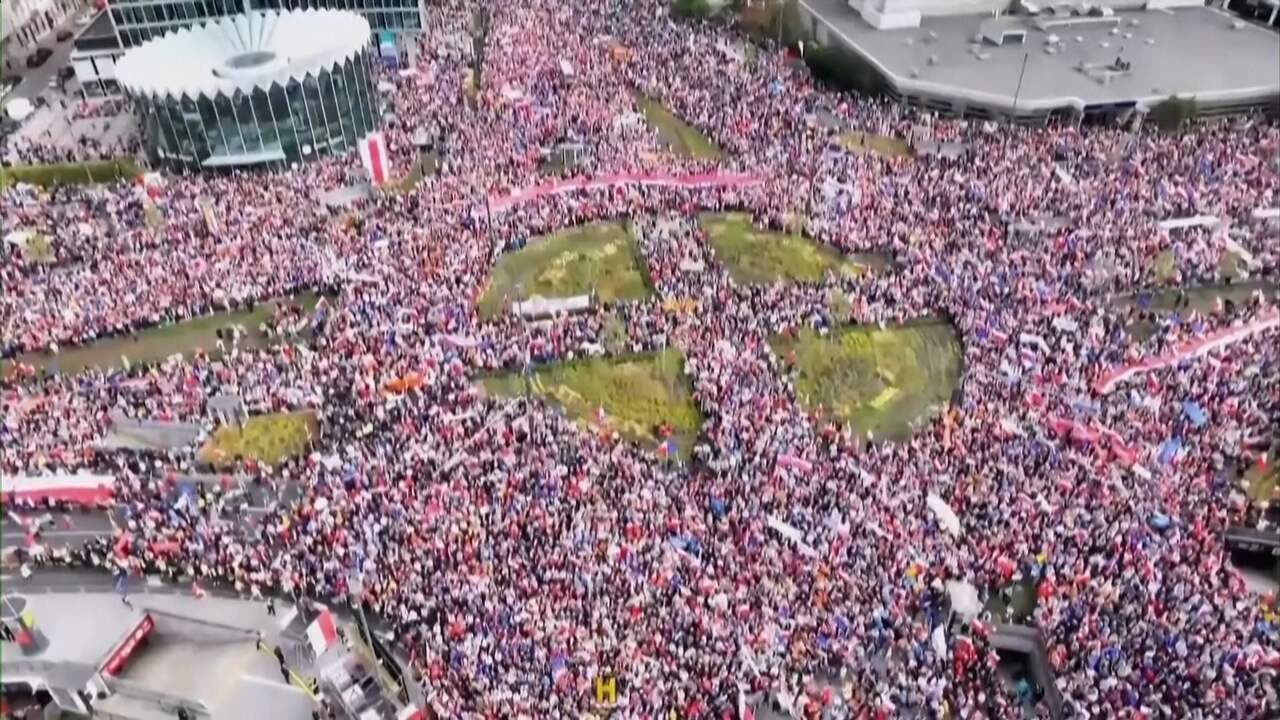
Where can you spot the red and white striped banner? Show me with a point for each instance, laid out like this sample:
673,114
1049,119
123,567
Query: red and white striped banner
688,182
84,489
1186,351
373,153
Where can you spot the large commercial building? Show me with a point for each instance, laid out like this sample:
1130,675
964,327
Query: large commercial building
94,55
137,21
1054,58
263,88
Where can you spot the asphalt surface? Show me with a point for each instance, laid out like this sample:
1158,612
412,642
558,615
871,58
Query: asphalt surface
36,80
67,529
77,527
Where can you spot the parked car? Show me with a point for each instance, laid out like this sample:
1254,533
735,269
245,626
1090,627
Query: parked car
38,58
64,35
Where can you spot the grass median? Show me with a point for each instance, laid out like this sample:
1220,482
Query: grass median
859,142
638,395
755,256
678,135
269,439
155,344
882,382
86,173
599,258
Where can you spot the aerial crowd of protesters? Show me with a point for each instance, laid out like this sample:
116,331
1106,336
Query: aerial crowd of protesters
519,555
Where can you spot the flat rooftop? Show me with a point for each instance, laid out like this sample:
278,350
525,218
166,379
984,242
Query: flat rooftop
1185,51
232,679
98,35
200,649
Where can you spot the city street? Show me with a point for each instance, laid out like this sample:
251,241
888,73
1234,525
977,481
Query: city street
67,529
36,80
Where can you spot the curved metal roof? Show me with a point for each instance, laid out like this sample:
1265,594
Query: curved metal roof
242,52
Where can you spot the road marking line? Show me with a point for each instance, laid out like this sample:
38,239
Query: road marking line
257,680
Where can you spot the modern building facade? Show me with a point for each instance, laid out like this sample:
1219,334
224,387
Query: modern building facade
137,21
94,55
263,88
1067,59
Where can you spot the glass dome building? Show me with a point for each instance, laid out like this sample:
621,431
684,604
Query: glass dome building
261,88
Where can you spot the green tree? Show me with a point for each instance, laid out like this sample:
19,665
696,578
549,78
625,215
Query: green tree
792,24
843,70
614,335
839,305
479,42
691,9
1174,112
778,21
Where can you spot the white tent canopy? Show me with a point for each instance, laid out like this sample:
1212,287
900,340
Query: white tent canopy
946,516
964,599
1186,222
19,109
543,307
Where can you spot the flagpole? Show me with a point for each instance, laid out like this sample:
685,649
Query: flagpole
1018,91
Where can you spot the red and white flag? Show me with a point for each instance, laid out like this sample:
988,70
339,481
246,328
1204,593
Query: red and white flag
373,153
322,633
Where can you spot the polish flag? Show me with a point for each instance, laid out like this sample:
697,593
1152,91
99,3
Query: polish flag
322,633
373,153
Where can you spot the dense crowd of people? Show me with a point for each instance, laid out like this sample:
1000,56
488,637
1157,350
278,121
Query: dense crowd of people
518,555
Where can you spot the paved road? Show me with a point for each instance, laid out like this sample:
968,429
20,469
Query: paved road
77,527
35,81
69,529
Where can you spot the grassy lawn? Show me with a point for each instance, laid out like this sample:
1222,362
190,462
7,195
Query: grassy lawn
1165,266
152,215
1200,298
638,394
1230,266
762,256
678,135
879,381
857,142
266,438
425,164
1260,485
39,250
408,182
156,344
599,257
1022,603
70,173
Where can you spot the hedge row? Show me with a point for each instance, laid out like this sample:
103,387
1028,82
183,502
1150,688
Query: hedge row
104,171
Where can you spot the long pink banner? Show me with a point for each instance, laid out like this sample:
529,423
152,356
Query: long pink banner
700,180
1186,351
